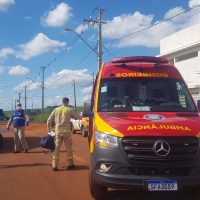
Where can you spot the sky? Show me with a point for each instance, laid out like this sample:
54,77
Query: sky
32,36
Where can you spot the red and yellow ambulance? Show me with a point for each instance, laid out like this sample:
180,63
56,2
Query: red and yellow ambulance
144,127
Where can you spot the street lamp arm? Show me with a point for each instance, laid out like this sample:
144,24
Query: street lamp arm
67,29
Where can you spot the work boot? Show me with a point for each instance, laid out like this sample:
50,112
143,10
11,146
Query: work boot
54,168
26,151
15,151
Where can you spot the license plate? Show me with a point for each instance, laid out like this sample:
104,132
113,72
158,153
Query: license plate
165,185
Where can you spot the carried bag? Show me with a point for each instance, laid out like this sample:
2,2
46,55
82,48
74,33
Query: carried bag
47,142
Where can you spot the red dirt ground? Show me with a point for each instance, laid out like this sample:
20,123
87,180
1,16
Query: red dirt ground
29,176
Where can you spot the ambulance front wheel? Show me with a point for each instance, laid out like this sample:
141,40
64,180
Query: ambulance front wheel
84,131
97,191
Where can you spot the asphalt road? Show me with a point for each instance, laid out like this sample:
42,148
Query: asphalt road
29,176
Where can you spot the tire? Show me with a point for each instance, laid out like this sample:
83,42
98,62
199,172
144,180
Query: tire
97,191
73,131
191,192
84,132
1,140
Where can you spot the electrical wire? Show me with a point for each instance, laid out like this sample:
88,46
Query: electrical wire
85,57
109,53
160,22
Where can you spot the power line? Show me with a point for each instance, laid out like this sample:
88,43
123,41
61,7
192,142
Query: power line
83,39
111,54
83,59
42,69
62,54
50,63
148,27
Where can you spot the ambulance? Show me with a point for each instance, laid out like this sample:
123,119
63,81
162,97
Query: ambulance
144,128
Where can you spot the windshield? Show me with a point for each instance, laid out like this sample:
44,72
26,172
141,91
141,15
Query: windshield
135,95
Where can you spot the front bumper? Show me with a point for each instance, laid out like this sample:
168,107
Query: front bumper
140,182
125,174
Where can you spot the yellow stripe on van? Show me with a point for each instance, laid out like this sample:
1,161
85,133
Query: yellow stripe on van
99,124
92,144
198,135
103,127
97,89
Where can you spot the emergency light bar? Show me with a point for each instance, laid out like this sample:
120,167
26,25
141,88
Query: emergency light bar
140,59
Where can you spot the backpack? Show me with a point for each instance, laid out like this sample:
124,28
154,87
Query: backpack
47,142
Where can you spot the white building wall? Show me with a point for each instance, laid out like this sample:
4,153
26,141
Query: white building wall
183,43
190,70
181,40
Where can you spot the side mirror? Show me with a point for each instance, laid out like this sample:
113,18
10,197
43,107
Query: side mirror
198,105
87,109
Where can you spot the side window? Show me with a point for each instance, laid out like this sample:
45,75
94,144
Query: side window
181,94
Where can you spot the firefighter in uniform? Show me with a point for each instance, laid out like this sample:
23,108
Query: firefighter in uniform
61,116
19,121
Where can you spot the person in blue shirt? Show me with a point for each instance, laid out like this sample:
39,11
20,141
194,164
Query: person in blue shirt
19,121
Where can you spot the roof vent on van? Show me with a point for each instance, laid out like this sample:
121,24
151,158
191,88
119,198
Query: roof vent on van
147,59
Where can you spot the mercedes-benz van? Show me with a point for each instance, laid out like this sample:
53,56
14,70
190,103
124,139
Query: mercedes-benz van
144,128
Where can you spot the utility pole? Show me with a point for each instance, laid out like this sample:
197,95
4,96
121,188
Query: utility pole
32,105
93,77
15,103
43,68
100,37
99,22
19,99
25,98
74,85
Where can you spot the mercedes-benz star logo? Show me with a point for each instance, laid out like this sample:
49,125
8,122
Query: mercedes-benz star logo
161,148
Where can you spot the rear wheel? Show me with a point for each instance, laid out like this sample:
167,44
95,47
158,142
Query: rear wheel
191,192
1,140
97,190
73,130
84,131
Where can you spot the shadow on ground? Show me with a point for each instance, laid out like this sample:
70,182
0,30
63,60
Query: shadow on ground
23,165
78,168
8,143
131,194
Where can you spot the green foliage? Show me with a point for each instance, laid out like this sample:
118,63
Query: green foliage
7,114
38,117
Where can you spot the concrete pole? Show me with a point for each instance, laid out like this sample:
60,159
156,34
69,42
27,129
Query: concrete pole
25,98
19,100
100,38
74,85
43,68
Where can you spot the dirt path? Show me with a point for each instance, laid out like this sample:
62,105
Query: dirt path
29,176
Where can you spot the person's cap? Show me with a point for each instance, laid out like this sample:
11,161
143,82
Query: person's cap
19,104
